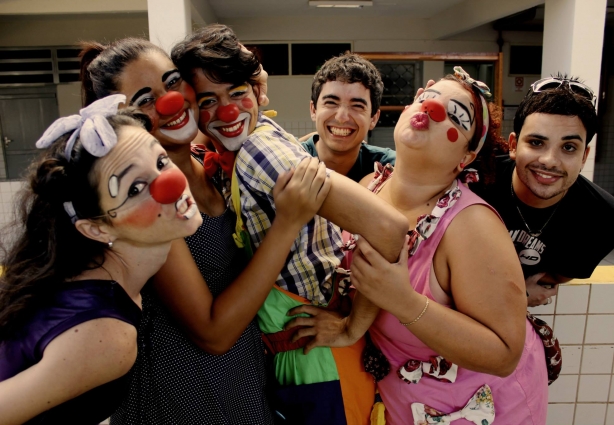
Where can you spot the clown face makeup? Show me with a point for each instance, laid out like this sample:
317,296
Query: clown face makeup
145,196
439,124
152,84
228,112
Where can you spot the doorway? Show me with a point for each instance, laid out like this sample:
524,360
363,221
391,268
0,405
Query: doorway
25,113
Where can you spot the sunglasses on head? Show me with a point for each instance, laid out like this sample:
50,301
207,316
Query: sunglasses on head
552,83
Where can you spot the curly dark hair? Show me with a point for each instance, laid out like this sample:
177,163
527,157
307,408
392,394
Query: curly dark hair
558,101
101,65
47,248
494,143
216,50
350,68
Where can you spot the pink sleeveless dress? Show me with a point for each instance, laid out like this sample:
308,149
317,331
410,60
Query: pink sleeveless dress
520,398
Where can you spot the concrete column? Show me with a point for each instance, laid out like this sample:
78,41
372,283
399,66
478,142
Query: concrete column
573,43
169,22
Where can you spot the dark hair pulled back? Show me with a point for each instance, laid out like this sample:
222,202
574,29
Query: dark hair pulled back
101,65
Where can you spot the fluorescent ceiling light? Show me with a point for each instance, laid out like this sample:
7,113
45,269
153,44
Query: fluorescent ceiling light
354,4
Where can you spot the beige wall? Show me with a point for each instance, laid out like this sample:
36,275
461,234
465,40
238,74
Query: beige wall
69,98
67,30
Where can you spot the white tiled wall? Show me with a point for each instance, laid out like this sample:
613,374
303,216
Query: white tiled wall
582,316
297,128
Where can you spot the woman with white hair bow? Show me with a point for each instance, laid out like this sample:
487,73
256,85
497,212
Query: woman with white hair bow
97,218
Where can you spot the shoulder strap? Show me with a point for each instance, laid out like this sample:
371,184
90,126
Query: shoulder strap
240,236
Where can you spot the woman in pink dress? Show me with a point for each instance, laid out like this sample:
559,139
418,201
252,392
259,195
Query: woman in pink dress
453,343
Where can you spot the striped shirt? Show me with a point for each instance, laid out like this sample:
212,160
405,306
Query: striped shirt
316,252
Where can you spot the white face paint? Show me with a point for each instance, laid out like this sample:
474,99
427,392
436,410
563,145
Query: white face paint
189,128
231,135
113,186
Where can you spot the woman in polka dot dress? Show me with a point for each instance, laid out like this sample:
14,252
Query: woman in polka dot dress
201,358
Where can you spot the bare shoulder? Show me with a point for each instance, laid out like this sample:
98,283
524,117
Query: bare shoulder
84,357
98,350
476,221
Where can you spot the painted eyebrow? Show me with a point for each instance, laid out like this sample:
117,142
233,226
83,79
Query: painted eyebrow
167,73
433,90
139,94
465,108
125,171
210,93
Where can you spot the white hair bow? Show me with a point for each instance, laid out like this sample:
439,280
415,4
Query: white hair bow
480,410
91,126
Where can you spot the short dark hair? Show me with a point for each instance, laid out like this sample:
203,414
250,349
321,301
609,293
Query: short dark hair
350,68
216,50
559,101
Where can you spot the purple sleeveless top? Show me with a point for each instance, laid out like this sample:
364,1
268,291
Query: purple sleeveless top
73,303
520,398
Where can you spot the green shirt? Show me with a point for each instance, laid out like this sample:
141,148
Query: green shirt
367,156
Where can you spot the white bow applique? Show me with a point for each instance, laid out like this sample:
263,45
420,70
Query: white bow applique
480,410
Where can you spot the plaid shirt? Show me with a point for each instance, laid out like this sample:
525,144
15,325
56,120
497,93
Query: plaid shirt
316,252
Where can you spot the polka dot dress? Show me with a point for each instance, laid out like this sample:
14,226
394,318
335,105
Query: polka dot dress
174,381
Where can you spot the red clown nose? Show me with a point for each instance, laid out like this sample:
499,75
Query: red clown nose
434,109
168,186
170,103
228,113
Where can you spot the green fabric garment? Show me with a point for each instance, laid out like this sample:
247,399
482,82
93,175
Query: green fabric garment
367,156
294,367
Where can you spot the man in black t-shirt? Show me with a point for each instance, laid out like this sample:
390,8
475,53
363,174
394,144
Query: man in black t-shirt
561,223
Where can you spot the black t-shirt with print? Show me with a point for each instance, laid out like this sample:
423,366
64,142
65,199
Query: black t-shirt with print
578,236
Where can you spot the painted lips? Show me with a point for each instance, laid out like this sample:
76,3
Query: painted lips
231,130
420,121
178,121
186,207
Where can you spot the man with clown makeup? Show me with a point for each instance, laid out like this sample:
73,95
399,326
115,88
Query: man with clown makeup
323,385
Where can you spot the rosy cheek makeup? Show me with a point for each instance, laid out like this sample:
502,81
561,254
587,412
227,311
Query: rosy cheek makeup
189,93
204,118
452,135
247,103
141,216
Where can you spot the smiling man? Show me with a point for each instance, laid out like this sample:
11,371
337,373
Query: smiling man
560,222
345,99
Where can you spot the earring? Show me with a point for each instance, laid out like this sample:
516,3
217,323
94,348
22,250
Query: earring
110,243
462,165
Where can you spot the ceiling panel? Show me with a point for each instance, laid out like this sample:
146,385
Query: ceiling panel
227,9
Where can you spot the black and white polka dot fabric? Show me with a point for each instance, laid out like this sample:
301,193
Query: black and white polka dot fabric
174,381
